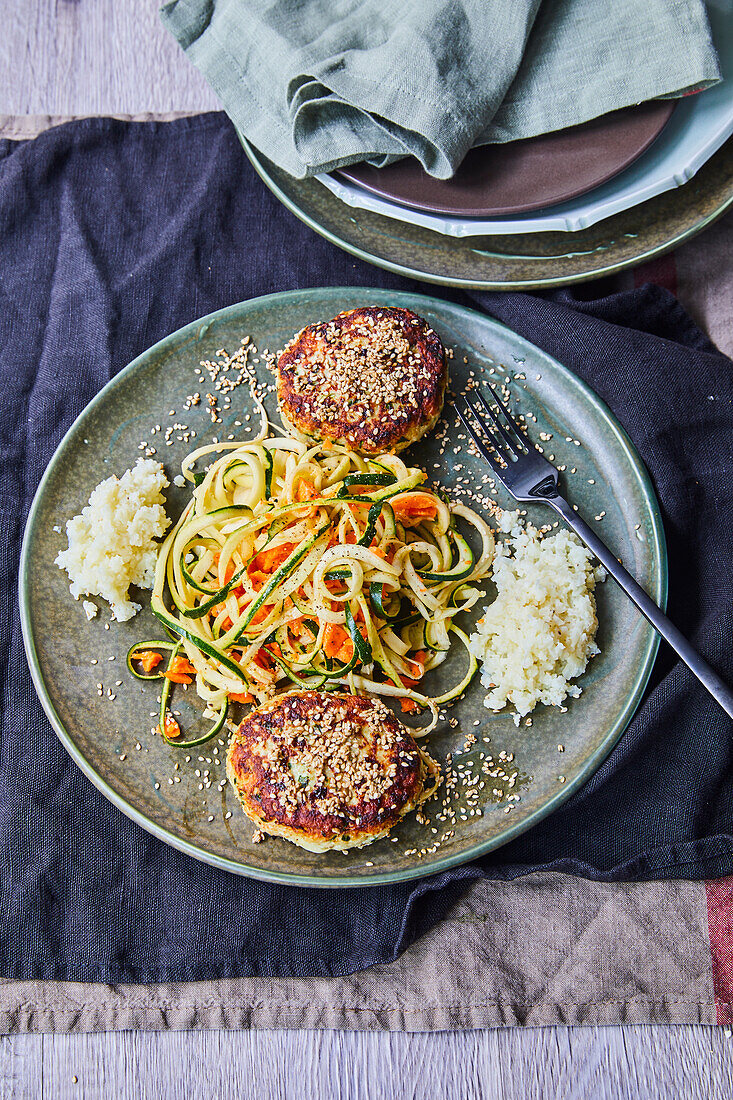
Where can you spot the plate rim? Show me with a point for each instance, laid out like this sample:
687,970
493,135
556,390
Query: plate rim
438,279
410,871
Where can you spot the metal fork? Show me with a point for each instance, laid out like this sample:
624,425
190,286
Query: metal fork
530,478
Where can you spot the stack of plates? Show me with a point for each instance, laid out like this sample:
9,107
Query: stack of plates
554,209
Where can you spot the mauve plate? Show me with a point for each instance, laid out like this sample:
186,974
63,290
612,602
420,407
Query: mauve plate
103,735
521,176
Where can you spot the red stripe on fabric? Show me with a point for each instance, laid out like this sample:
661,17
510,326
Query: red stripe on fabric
720,929
662,271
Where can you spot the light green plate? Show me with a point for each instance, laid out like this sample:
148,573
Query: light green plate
150,781
523,260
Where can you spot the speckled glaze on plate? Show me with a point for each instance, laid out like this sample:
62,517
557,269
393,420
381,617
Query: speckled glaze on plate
515,261
101,735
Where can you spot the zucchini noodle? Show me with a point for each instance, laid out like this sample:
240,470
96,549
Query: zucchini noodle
309,564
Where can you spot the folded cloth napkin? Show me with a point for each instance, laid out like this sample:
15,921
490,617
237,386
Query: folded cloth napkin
113,235
315,86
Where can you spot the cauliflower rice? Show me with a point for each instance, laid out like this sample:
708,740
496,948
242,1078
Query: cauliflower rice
539,632
111,544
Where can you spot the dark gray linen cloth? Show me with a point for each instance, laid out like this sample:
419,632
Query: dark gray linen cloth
113,234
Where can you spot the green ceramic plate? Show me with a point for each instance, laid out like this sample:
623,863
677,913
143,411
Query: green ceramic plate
152,782
504,262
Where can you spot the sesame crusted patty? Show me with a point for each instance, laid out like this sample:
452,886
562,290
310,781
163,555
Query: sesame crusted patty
372,379
327,771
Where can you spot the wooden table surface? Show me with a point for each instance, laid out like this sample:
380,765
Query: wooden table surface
77,57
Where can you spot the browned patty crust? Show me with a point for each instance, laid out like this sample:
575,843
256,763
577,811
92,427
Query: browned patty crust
373,378
327,770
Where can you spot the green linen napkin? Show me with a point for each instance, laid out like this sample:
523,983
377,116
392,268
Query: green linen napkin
317,84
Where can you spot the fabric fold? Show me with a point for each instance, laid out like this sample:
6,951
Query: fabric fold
317,86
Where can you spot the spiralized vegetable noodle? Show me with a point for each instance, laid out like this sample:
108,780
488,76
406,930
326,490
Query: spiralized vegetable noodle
312,565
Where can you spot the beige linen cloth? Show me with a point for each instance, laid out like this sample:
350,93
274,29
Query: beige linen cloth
545,949
548,949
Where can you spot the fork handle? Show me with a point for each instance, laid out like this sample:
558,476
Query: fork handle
647,606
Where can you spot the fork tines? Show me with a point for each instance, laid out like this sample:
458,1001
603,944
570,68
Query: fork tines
501,434
517,463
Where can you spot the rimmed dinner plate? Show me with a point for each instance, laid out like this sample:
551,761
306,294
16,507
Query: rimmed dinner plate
514,261
152,782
